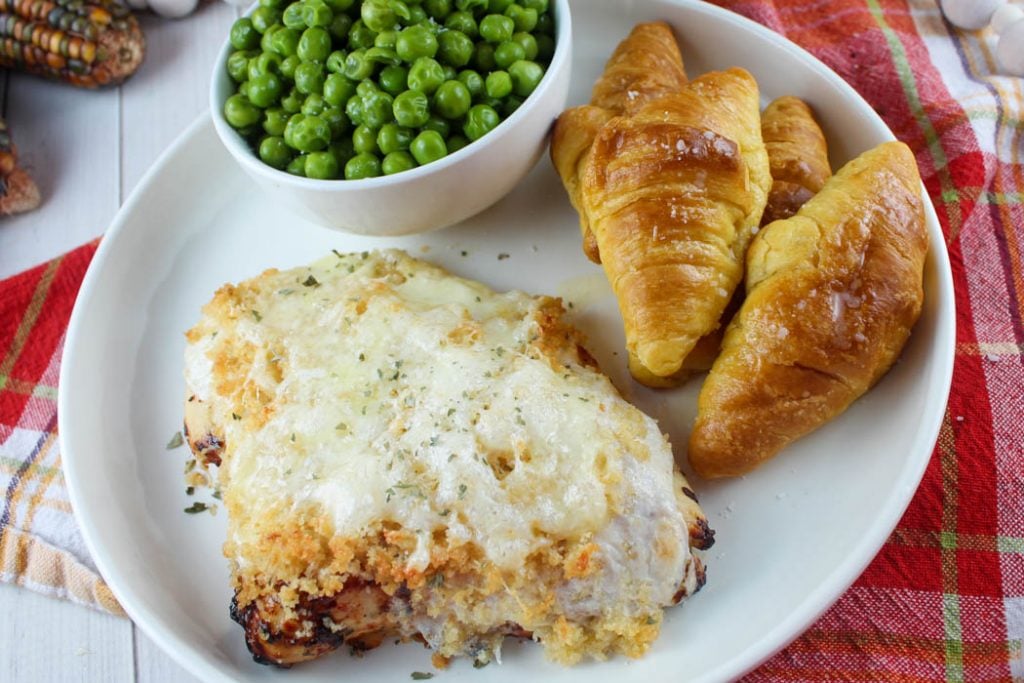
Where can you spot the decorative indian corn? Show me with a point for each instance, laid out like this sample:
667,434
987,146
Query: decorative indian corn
88,44
17,191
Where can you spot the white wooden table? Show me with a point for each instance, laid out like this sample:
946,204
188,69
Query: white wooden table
87,150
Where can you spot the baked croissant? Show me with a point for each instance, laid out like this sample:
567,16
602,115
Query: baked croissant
798,160
645,66
672,195
797,154
832,294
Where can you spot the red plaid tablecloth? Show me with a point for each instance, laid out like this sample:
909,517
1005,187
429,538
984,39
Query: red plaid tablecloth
944,599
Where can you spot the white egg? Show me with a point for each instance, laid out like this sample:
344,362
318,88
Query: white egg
1010,49
173,9
970,14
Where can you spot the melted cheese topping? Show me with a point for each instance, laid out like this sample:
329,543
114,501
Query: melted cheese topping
377,388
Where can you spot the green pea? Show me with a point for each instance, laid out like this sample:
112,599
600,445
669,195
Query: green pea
316,13
354,110
472,6
453,99
337,90
483,57
357,66
425,75
439,125
545,25
313,105
473,81
307,133
240,112
382,15
362,166
287,66
498,84
528,43
463,22
314,45
396,162
336,120
294,16
264,89
309,77
383,55
498,6
411,109
285,41
243,35
455,48
267,40
455,143
238,65
341,24
267,62
392,138
526,76
338,6
450,72
336,61
428,146
386,39
322,166
415,42
496,28
366,89
392,79
364,139
507,53
538,6
292,102
524,19
416,15
275,152
361,36
438,9
378,109
274,120
243,89
480,121
297,166
263,18
273,4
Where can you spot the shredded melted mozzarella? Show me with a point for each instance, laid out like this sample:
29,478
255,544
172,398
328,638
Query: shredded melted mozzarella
402,393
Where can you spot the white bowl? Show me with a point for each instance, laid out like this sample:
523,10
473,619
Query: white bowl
429,197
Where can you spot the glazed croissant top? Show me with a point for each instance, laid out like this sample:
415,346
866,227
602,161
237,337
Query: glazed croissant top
832,294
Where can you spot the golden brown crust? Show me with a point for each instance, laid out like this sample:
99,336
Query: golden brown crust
673,194
833,293
571,142
797,154
645,66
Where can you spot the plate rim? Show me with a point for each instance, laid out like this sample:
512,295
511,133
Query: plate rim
784,632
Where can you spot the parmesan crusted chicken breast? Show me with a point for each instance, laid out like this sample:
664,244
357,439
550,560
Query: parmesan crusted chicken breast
404,453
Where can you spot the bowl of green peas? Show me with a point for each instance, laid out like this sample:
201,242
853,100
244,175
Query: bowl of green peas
391,117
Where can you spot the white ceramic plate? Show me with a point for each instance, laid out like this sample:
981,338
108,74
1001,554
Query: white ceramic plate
790,537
